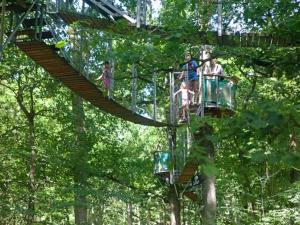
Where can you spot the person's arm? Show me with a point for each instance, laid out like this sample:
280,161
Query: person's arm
195,65
181,75
222,73
177,92
100,77
191,92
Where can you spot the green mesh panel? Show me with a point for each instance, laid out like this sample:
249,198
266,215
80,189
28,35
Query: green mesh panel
162,162
222,93
210,93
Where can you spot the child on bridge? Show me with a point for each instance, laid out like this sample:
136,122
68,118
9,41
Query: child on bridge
106,76
185,100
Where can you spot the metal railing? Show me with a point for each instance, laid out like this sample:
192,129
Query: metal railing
213,91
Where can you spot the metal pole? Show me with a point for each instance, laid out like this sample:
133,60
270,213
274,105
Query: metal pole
154,97
138,14
172,148
2,28
230,94
36,23
217,90
200,110
58,5
133,87
144,10
172,111
219,18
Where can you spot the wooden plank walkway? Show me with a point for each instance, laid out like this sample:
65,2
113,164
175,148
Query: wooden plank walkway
209,38
188,171
106,24
59,68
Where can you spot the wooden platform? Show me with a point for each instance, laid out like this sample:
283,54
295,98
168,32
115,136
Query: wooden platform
218,112
188,171
121,28
59,68
209,38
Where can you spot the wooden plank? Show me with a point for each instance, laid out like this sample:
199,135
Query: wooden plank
188,171
191,195
80,84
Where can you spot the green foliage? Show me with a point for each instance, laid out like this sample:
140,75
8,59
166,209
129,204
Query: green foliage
257,150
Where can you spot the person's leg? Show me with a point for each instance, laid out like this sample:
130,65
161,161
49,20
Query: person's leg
195,89
183,112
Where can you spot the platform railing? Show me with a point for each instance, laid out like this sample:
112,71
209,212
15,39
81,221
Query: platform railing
213,92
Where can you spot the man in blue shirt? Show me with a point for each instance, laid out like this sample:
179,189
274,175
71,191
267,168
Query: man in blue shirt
190,69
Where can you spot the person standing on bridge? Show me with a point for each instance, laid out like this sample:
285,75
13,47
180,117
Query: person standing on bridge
185,100
106,76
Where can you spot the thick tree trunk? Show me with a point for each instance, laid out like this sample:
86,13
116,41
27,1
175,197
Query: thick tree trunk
209,181
80,161
174,206
209,200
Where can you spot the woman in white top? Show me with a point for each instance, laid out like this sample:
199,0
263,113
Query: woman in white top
213,69
211,72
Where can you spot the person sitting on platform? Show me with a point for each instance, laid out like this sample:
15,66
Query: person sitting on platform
106,76
190,68
185,100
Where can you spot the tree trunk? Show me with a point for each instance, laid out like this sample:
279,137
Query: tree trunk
80,161
32,171
129,213
174,206
209,181
209,200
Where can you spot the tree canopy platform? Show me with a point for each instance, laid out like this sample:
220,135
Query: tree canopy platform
59,68
210,38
